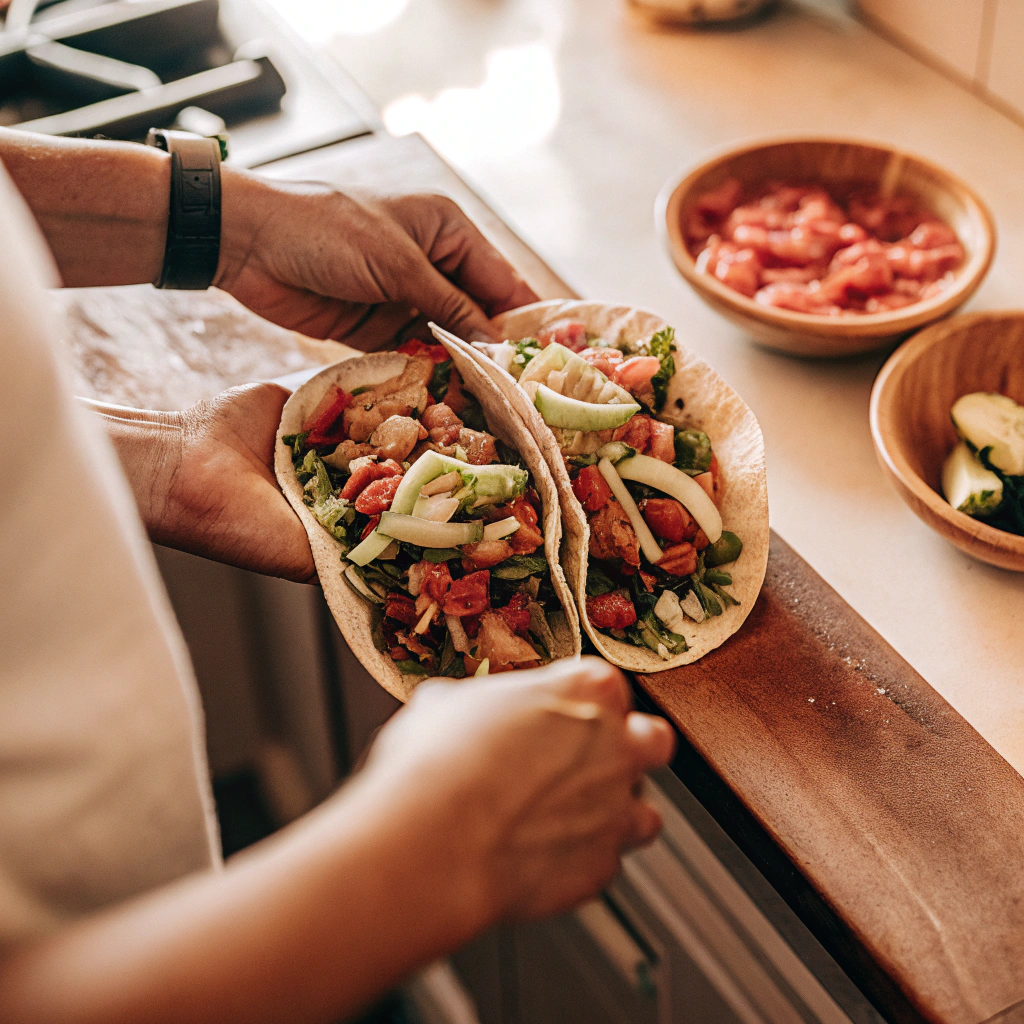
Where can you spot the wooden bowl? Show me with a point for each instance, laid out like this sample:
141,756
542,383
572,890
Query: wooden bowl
837,164
910,422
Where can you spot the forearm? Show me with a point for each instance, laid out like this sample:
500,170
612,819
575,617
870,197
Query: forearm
308,927
101,205
148,445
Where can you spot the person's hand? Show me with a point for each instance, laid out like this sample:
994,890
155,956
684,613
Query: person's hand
204,480
532,777
357,267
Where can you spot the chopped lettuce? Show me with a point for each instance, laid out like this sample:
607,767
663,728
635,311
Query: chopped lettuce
526,350
439,380
411,668
597,582
518,567
662,345
441,554
296,442
650,632
334,514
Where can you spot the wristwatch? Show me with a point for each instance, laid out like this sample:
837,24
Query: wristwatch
193,223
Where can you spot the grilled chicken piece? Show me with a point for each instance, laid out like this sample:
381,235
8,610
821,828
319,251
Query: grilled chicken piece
397,396
485,554
497,642
612,535
342,456
442,424
397,436
480,447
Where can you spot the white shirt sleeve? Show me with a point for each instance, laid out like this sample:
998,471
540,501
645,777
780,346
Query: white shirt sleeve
104,788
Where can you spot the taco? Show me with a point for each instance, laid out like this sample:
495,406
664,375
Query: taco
660,469
432,516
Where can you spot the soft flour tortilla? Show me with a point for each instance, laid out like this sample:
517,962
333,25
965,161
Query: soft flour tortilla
354,614
697,397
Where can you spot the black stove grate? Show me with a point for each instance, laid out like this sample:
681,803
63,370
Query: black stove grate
119,68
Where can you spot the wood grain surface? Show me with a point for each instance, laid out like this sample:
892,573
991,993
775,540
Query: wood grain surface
910,423
904,823
837,164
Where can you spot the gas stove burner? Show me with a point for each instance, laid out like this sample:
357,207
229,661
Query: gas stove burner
117,69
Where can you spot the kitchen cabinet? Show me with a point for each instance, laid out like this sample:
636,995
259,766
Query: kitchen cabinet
676,939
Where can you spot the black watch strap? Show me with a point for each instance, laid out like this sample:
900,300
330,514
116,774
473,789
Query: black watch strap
193,224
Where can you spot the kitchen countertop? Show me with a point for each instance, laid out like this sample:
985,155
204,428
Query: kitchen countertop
571,115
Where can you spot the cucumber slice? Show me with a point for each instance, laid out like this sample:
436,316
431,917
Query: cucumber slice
498,482
425,534
573,377
664,477
615,451
968,486
648,545
986,420
571,414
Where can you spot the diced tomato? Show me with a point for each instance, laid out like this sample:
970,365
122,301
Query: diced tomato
437,580
700,540
528,537
401,609
431,349
367,473
591,489
648,579
663,442
325,417
636,433
399,653
571,334
469,595
679,560
668,519
376,496
718,202
604,359
471,624
522,509
370,527
611,611
715,470
515,613
636,371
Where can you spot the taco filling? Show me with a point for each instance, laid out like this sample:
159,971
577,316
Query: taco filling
436,519
650,490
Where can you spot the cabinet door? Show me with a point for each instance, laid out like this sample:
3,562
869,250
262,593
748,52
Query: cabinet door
567,975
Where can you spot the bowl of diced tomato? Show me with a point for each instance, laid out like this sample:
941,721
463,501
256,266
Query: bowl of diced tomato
827,247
